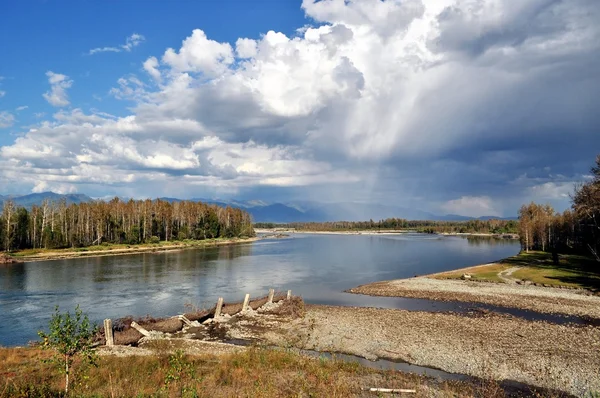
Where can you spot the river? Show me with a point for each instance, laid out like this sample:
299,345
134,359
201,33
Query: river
317,267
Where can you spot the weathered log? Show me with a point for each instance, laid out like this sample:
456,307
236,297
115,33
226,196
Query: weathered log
108,333
183,319
271,294
393,390
246,301
140,329
219,307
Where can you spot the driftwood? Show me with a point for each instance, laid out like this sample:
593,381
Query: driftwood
108,333
246,301
140,329
393,390
183,319
219,307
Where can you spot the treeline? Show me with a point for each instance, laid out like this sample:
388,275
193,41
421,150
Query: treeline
58,225
493,226
575,230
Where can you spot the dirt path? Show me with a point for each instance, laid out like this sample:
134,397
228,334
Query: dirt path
506,275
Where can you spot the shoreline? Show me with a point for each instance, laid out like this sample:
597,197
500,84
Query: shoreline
493,284
358,232
487,346
134,249
380,232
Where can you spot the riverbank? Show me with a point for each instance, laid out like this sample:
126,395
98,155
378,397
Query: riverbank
379,232
570,288
489,347
486,346
355,232
121,249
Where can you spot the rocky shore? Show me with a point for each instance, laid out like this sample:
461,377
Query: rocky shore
528,297
560,357
484,345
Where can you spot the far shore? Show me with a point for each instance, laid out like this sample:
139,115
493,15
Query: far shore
116,250
377,232
356,232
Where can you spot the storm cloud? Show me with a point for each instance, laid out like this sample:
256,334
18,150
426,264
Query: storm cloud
466,106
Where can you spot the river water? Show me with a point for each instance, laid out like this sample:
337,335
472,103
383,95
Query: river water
317,267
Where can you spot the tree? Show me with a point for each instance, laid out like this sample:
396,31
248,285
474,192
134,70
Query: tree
9,221
586,205
70,337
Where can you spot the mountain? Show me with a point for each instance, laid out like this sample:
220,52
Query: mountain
37,198
278,212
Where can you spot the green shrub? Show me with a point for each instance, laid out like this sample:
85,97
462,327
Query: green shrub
70,337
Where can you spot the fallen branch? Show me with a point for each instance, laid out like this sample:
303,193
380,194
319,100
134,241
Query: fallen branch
140,329
393,390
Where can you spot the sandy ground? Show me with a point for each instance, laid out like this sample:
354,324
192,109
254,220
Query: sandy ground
560,357
63,254
153,347
535,298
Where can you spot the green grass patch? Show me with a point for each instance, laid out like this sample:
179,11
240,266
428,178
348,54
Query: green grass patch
571,270
537,267
485,273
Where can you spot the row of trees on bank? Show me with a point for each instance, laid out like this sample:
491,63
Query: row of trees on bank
575,230
493,226
57,225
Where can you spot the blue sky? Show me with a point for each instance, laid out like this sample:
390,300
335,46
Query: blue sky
41,35
470,107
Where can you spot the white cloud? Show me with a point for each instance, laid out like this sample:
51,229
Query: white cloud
44,186
57,96
245,48
436,100
7,119
552,190
104,50
129,88
199,54
21,108
471,206
151,66
130,42
133,41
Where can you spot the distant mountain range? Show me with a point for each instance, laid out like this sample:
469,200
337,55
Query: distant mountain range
37,198
279,212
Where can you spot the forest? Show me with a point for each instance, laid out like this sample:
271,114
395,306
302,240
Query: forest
576,230
493,226
58,225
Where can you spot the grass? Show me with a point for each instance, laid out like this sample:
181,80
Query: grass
572,271
256,372
487,273
118,247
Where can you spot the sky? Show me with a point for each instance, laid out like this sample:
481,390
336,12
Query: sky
469,107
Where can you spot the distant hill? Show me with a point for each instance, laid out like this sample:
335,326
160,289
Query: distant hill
279,212
37,198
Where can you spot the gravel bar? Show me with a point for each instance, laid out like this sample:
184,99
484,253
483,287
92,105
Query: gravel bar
535,298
